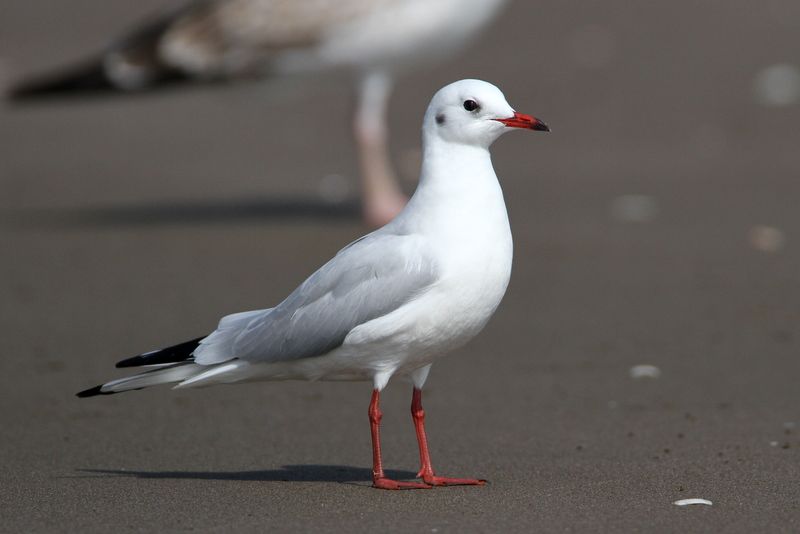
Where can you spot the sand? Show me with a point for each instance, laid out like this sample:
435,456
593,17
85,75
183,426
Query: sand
656,225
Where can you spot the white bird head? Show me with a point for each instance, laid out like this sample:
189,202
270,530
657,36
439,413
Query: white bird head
473,112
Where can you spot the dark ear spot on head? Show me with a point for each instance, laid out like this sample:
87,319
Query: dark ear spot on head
440,119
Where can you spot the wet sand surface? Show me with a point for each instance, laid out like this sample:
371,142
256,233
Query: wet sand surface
657,224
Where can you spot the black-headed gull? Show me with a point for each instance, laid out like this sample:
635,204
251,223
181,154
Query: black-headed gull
391,302
214,40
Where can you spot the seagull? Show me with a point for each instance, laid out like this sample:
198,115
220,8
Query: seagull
224,40
389,303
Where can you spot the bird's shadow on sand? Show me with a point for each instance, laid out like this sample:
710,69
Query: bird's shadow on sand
186,212
344,474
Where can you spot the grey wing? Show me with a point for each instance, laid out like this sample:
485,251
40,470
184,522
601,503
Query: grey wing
229,37
219,39
366,280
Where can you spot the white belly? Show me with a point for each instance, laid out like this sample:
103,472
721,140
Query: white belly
445,317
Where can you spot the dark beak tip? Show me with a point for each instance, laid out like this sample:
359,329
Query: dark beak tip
541,127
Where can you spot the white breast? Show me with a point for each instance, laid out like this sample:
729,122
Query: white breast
471,237
476,255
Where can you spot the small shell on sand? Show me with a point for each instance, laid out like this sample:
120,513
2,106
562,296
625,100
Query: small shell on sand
687,502
644,371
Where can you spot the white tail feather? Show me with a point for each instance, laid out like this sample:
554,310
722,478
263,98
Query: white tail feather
218,346
175,373
225,373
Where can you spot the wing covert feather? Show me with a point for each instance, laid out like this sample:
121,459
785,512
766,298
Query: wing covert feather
218,37
367,279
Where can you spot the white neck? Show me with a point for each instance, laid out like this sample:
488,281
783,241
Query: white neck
457,188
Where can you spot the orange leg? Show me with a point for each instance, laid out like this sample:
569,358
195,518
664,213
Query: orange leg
379,479
426,471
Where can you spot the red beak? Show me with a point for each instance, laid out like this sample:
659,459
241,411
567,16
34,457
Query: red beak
520,120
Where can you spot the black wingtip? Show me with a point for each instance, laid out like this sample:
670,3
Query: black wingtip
176,353
91,392
136,361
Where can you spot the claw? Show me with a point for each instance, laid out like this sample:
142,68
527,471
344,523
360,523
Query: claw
433,480
389,484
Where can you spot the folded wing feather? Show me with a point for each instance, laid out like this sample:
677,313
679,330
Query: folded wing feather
366,280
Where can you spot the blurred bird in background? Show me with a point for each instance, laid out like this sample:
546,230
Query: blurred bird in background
209,41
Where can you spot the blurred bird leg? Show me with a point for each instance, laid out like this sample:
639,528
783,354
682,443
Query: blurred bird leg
382,198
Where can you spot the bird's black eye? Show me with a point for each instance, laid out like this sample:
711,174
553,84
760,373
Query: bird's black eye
471,105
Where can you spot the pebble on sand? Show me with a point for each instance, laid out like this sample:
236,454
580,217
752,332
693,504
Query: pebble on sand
334,188
644,371
766,238
634,208
777,85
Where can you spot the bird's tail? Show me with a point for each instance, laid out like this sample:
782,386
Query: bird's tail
87,77
132,64
171,364
164,375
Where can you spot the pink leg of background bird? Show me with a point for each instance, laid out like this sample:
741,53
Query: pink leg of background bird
382,198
